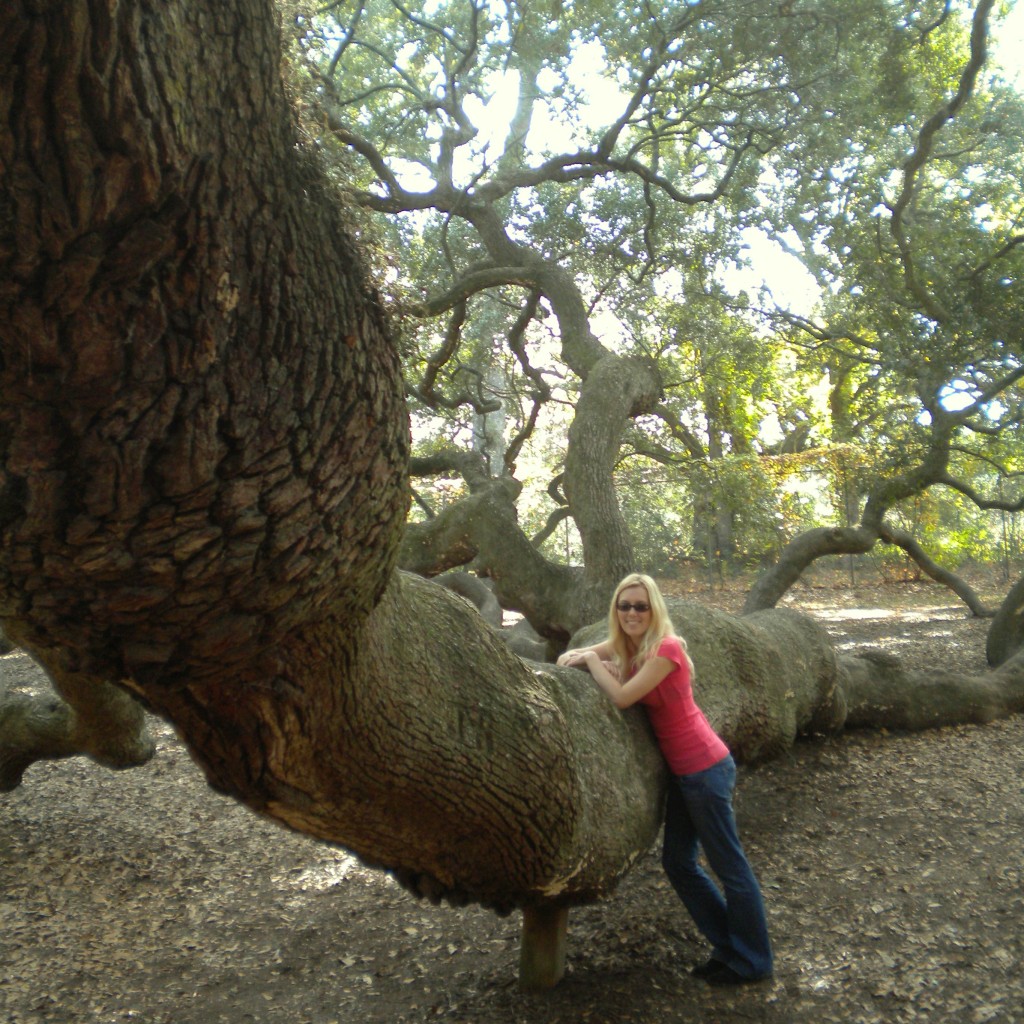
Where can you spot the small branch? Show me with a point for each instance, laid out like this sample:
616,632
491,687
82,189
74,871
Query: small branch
471,283
963,590
558,516
515,446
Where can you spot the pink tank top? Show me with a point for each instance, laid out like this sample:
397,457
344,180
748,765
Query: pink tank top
684,734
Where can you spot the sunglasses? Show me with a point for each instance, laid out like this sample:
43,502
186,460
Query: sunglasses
639,606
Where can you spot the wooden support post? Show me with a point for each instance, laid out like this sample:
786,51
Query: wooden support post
542,951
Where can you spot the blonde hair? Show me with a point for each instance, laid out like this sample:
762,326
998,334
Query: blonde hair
660,627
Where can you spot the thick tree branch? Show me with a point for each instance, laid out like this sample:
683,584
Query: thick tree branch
483,529
801,552
470,465
95,719
881,694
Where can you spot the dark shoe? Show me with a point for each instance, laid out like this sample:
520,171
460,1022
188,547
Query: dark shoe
705,969
723,974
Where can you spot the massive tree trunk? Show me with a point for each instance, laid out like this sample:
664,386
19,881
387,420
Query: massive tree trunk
203,441
203,452
429,749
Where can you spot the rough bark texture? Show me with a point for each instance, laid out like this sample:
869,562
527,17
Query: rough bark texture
202,475
880,693
433,751
199,437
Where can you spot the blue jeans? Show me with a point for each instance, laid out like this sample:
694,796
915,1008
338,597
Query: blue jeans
700,811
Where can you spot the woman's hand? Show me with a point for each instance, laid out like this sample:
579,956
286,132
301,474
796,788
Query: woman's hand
575,657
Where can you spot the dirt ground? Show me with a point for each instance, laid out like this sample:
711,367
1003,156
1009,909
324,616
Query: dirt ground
891,866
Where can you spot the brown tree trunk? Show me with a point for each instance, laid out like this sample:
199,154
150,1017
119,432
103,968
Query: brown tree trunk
615,390
202,474
431,750
203,442
1006,634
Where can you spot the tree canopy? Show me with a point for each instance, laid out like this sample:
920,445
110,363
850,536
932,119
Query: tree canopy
571,195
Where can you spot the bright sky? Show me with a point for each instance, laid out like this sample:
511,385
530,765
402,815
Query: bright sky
1009,50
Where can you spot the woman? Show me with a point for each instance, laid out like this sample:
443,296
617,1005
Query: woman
642,660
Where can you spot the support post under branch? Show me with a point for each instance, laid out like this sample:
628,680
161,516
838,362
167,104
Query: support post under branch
542,951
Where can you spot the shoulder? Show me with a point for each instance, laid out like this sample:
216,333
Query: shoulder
671,648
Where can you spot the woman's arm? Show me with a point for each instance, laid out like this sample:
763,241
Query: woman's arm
626,694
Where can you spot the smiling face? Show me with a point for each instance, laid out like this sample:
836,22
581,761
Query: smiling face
634,623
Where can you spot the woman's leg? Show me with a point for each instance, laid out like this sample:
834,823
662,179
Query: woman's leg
708,799
698,892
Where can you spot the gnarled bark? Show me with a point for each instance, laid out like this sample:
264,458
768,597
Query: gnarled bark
431,750
1006,634
94,719
880,693
203,452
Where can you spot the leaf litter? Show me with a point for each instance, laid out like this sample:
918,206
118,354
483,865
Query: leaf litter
891,864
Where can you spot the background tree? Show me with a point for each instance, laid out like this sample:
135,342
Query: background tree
630,196
619,217
921,298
